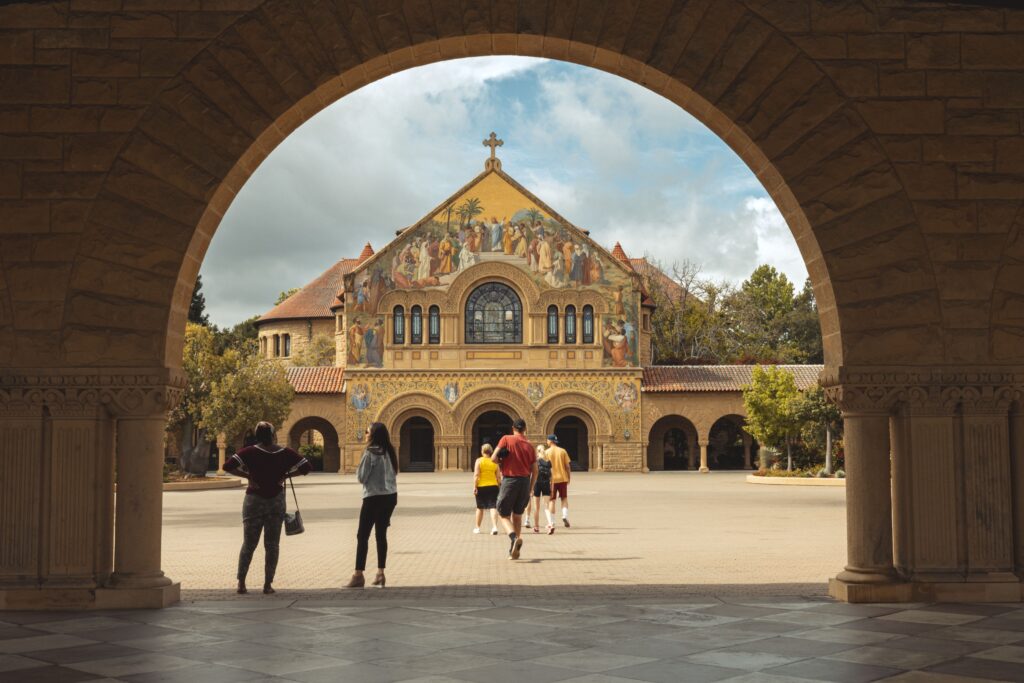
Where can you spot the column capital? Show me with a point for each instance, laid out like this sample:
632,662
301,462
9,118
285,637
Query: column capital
91,392
926,390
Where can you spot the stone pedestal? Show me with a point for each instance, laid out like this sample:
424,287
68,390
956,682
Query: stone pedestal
222,447
57,434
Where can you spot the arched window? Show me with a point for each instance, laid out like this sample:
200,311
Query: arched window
434,325
588,324
494,315
416,334
287,345
552,324
398,325
277,345
570,324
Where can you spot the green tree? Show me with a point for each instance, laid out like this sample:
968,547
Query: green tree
469,210
256,389
243,337
534,215
803,327
285,294
820,421
197,307
759,312
771,401
320,352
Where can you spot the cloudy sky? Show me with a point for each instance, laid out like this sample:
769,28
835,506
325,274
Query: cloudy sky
605,153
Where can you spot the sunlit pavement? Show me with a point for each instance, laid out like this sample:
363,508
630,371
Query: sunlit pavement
630,533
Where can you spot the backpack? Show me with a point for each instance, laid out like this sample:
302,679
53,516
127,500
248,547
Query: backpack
543,469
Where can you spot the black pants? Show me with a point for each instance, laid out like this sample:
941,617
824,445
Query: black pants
375,514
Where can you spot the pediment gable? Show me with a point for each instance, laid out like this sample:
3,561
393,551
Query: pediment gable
492,218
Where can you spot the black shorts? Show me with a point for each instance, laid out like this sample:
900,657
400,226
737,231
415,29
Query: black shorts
542,488
514,496
486,497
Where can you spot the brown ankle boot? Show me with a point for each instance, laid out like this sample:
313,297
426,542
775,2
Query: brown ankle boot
357,581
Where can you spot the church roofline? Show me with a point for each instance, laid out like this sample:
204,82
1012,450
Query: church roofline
584,234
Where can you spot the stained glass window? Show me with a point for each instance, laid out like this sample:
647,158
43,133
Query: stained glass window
416,333
494,315
398,326
588,324
552,324
434,325
570,324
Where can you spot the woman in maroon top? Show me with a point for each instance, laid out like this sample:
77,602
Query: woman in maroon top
266,465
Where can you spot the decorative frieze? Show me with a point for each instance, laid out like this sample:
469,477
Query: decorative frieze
70,393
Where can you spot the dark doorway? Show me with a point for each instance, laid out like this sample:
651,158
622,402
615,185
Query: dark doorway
573,436
489,428
676,449
416,449
317,440
725,445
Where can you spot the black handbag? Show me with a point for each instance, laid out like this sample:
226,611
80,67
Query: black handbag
293,522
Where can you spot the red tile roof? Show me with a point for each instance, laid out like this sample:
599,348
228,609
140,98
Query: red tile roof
620,253
323,380
315,299
648,271
666,378
366,253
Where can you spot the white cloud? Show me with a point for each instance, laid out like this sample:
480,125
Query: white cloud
607,154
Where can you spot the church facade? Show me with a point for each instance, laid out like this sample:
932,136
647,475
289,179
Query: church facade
492,307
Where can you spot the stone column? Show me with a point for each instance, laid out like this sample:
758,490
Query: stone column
748,441
868,498
1017,483
691,448
139,508
704,457
222,447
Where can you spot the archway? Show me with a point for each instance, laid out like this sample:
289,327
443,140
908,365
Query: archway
730,447
99,326
672,444
416,445
488,428
302,434
574,436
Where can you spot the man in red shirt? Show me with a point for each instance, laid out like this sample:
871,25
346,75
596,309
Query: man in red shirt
518,462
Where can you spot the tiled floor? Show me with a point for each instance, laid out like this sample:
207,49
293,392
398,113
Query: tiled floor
384,636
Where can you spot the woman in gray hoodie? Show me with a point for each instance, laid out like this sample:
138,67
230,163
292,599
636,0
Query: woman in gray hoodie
380,496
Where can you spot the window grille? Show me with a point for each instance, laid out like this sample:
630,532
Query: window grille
588,324
552,324
494,315
398,325
416,334
570,324
434,325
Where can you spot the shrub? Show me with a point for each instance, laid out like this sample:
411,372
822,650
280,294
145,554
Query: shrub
314,453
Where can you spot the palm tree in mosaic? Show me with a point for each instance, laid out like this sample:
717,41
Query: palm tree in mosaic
469,210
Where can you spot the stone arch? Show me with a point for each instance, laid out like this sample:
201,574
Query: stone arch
655,441
479,401
809,146
332,445
422,404
748,442
557,406
471,278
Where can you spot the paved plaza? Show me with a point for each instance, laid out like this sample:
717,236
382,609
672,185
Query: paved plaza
630,533
662,578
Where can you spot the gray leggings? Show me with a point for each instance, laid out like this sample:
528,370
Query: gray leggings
266,516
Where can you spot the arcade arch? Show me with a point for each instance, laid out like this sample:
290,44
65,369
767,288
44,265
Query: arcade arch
100,326
299,435
672,444
730,446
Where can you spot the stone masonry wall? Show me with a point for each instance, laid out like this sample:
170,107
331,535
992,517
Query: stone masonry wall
623,456
300,334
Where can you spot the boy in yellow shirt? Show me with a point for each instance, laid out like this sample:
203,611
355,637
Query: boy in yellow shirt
561,473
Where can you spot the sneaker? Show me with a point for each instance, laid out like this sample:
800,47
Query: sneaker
516,547
536,530
526,523
476,530
494,531
551,529
565,521
512,548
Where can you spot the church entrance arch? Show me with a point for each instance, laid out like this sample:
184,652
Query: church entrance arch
672,444
317,431
416,445
489,427
574,436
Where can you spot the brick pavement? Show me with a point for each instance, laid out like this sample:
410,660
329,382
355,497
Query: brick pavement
680,532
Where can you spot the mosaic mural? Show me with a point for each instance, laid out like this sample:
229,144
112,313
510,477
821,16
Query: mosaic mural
493,221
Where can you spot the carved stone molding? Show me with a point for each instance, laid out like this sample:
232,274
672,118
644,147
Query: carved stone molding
938,390
69,393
